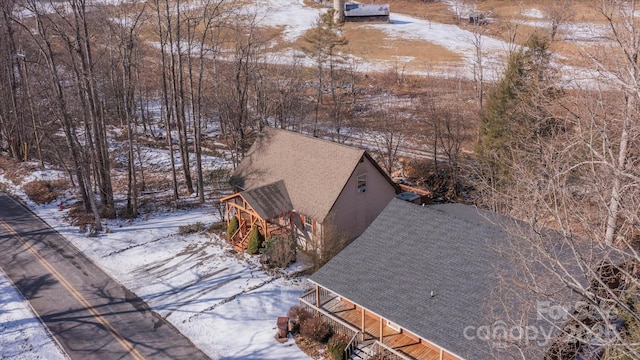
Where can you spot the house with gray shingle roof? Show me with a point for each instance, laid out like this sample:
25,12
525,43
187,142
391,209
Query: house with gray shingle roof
420,283
323,192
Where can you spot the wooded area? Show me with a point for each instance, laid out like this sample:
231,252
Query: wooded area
76,71
565,158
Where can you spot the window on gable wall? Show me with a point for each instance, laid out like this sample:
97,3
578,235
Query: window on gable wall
393,326
308,225
362,183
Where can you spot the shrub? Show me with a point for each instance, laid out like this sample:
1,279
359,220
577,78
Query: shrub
14,171
191,228
297,314
217,228
315,329
232,228
107,212
255,241
40,191
336,345
281,251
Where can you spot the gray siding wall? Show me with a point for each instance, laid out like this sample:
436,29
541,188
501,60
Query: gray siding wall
354,211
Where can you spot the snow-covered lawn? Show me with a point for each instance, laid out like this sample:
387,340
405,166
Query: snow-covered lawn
224,302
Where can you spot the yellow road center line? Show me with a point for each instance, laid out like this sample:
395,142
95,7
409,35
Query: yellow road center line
112,330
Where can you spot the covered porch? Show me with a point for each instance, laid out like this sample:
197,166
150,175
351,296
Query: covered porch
253,208
387,338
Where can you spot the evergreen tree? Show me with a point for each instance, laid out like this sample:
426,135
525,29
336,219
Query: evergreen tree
233,227
517,114
255,241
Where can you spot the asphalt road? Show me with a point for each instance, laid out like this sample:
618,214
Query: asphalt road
91,315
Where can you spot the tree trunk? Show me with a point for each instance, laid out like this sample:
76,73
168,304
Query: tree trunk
165,90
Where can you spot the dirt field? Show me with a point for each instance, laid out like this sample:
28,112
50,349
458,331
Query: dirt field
415,55
512,19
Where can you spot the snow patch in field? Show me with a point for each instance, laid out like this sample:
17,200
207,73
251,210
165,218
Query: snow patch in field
533,13
586,32
451,37
294,16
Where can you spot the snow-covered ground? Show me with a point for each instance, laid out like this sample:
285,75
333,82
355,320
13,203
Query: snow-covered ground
533,13
224,302
294,17
451,37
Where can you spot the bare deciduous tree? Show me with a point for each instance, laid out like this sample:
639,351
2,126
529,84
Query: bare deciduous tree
323,45
236,83
388,133
164,25
208,23
583,184
11,118
286,92
477,41
558,13
128,42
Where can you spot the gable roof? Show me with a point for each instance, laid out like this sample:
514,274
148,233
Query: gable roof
410,251
314,171
269,201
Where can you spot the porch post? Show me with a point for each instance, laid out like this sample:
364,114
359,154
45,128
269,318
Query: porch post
441,353
266,229
381,331
363,323
318,296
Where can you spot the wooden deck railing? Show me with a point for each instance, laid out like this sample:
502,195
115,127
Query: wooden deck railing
308,302
387,353
325,296
309,297
352,345
337,325
235,234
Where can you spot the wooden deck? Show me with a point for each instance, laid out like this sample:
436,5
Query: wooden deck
403,343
